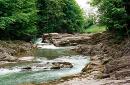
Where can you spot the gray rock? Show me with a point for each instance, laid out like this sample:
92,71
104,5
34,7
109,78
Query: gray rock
60,65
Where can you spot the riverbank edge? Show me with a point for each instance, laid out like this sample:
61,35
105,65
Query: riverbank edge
106,51
109,55
11,50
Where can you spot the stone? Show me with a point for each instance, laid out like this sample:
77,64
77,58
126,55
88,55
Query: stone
27,68
60,65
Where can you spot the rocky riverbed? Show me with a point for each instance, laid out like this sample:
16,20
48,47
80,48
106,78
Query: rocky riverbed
110,55
39,62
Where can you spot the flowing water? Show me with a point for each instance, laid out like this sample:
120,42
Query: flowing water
13,74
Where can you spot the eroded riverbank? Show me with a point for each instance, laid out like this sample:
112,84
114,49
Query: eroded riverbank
10,51
109,58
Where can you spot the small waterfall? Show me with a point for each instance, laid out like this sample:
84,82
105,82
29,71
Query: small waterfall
42,45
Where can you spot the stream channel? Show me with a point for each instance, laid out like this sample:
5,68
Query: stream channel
38,68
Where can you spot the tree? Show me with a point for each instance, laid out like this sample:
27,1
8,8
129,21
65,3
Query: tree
115,14
17,18
59,16
22,19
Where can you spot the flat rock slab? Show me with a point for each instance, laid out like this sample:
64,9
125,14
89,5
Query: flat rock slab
65,39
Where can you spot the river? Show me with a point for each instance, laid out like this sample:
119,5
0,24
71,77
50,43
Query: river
37,69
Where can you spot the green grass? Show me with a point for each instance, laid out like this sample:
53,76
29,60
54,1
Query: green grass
95,29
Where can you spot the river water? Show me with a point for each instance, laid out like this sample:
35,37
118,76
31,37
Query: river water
13,74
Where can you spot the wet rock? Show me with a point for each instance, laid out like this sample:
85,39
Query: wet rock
43,65
60,65
27,68
55,67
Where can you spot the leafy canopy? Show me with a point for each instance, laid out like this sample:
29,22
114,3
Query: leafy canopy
17,18
59,16
23,19
115,14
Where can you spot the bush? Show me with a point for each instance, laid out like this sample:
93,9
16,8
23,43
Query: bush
17,19
88,22
95,29
115,15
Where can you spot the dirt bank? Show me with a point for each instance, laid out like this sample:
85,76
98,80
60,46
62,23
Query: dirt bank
110,57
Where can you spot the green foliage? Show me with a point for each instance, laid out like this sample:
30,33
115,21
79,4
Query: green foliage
95,29
23,19
115,15
59,16
50,15
17,18
88,22
74,19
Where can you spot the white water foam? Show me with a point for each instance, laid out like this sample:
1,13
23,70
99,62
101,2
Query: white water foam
78,61
28,58
42,45
4,71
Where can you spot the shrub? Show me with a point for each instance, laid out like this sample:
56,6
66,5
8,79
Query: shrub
115,14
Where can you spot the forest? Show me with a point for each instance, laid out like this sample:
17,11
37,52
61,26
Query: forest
115,14
21,19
